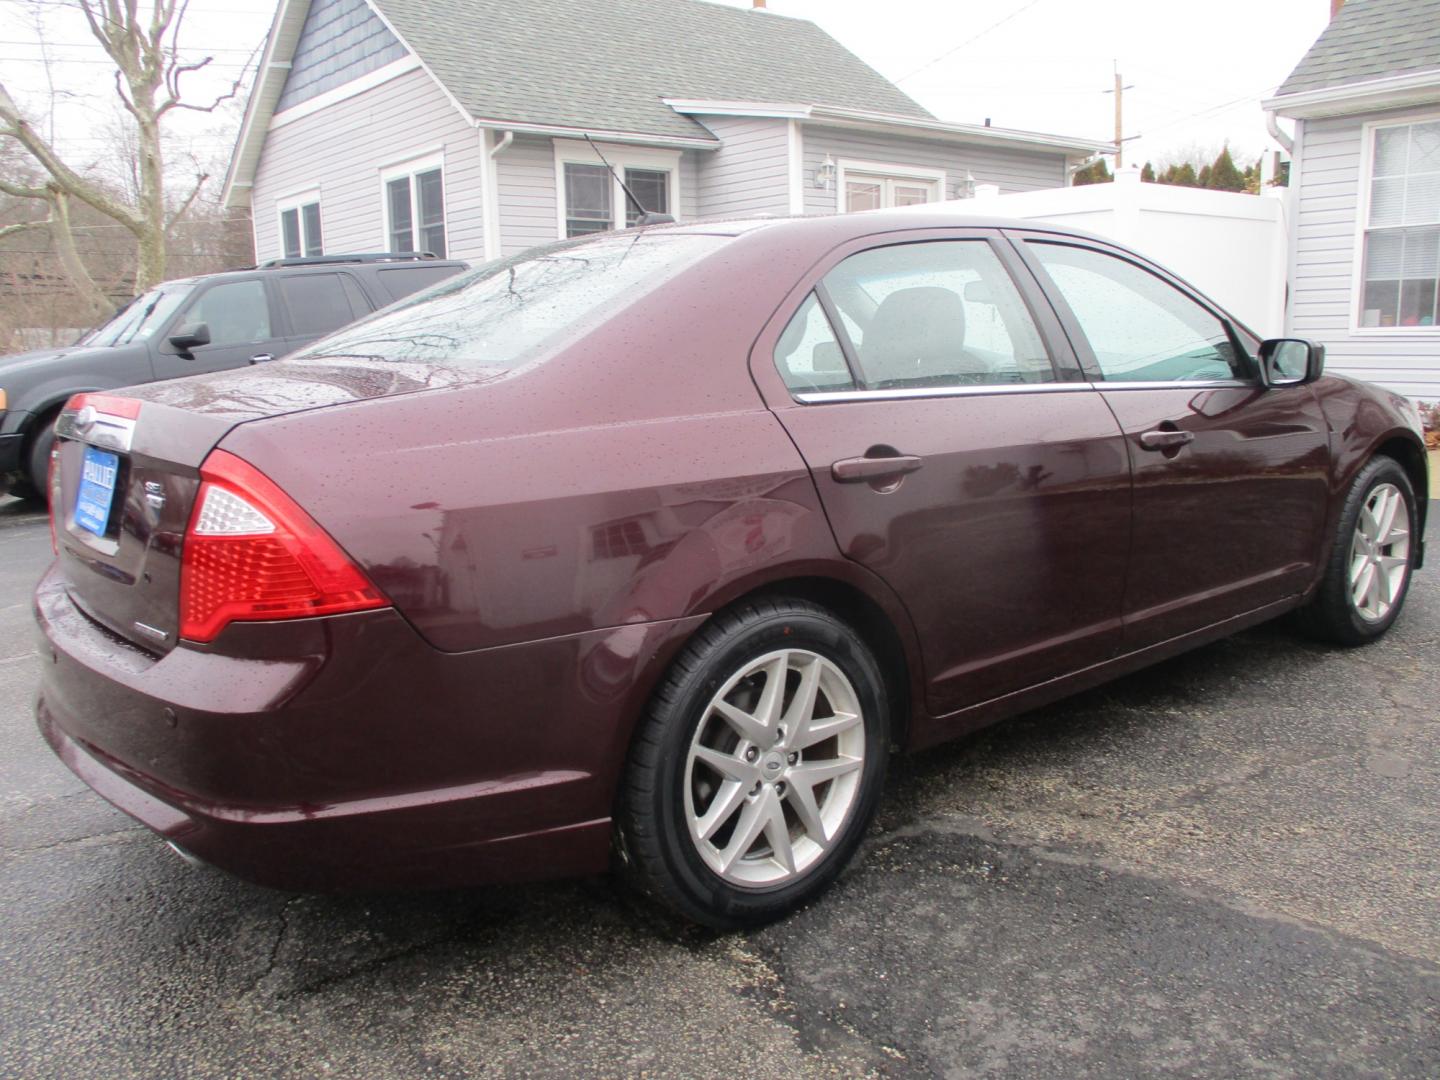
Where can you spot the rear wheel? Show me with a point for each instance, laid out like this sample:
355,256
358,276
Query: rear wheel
759,766
1368,575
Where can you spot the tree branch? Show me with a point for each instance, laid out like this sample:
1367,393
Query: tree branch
189,201
21,226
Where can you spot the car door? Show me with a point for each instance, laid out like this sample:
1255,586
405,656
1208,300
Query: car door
319,302
1230,477
959,455
243,324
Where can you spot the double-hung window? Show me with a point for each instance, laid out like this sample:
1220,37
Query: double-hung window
593,200
415,207
300,226
1401,269
867,185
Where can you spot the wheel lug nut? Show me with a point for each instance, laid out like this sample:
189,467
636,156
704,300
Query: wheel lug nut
780,788
751,754
793,758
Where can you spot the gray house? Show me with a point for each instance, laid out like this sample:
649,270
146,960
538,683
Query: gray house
458,126
1365,178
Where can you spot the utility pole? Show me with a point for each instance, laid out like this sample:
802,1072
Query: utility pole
1119,92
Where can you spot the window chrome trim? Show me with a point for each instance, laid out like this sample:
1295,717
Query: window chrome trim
1173,384
825,397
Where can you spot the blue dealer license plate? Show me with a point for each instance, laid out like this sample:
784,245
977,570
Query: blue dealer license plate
97,490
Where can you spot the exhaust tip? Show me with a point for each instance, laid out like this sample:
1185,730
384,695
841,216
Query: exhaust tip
193,860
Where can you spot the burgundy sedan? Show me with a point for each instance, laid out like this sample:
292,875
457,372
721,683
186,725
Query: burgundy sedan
647,549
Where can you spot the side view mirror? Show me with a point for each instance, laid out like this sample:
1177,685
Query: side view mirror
187,337
1291,361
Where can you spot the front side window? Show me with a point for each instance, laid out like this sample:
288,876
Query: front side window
1139,326
1402,233
235,311
300,231
933,314
415,211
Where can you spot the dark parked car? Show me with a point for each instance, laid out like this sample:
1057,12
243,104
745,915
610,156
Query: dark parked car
653,545
190,326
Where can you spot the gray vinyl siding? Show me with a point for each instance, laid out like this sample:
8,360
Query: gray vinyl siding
341,40
525,180
1326,208
749,174
1013,170
342,149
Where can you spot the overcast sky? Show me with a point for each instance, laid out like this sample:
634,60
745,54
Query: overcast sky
1196,68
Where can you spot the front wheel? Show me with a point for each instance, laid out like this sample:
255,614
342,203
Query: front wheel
759,767
1368,574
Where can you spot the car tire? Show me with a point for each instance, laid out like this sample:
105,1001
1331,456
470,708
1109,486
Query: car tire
34,486
1368,573
725,815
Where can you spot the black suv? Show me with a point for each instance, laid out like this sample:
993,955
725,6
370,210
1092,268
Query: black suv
190,326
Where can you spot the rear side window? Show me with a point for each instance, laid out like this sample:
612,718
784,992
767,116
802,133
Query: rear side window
809,355
936,314
318,303
400,281
236,312
502,314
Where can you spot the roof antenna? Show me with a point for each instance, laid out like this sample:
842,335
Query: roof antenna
647,217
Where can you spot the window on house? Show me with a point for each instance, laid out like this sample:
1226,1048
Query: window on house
651,188
1402,236
595,201
866,190
300,230
588,199
415,211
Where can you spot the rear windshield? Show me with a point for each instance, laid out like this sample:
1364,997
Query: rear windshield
501,314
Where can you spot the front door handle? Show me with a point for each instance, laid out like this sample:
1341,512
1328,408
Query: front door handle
1166,439
856,469
260,358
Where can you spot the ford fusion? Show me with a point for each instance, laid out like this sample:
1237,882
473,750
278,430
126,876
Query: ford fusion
646,550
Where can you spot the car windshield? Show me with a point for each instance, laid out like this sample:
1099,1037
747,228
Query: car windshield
504,313
140,319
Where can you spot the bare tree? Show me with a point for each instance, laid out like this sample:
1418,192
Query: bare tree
144,47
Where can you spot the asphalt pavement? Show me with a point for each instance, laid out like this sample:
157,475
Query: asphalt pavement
1223,866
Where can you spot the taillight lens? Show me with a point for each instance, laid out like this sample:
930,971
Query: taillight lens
251,553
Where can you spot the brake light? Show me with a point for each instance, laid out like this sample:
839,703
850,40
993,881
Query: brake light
251,553
52,494
109,404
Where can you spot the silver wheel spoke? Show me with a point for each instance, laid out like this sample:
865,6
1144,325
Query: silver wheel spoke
772,698
727,765
818,772
1358,563
819,730
778,833
722,808
748,727
752,820
801,712
1380,552
802,799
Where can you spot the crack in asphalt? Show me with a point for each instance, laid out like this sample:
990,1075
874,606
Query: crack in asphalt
93,839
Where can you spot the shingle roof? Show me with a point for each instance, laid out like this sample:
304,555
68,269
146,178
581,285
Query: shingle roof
1370,39
606,64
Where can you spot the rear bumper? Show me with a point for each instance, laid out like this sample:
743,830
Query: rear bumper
364,758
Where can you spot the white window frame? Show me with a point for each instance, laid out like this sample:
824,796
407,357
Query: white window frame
1362,218
409,169
621,157
297,202
888,171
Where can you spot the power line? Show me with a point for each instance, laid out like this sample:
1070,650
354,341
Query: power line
1214,109
968,41
39,44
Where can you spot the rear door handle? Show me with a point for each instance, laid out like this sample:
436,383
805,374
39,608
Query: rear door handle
1164,439
854,470
260,358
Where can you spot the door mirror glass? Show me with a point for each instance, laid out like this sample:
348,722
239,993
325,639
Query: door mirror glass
1291,361
191,335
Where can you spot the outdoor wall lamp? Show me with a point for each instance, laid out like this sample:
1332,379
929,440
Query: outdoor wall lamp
825,174
966,188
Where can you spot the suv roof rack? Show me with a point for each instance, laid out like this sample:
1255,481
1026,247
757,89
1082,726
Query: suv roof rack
357,257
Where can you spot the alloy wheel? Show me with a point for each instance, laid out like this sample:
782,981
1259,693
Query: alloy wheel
1380,552
774,768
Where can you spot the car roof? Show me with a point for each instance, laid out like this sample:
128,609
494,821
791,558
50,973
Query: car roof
866,223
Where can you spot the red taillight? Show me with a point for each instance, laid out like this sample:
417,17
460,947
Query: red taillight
123,407
251,553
